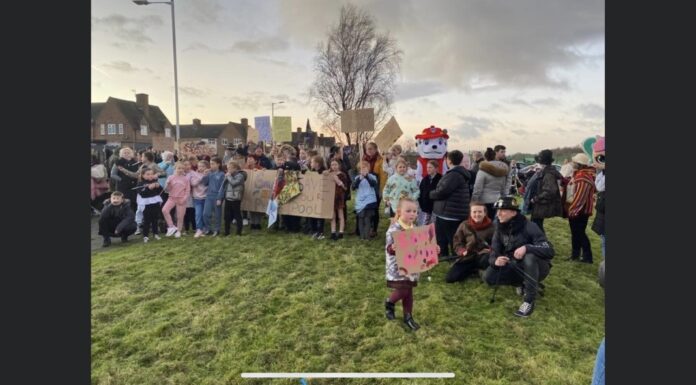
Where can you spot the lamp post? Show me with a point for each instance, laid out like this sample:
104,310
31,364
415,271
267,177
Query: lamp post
176,80
273,104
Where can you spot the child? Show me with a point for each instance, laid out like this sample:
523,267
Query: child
316,225
372,156
117,219
304,160
199,192
400,185
234,192
406,213
213,199
149,197
342,183
190,216
427,185
389,164
252,163
179,189
366,200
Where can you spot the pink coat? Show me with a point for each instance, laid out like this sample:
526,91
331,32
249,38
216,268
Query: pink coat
199,189
178,187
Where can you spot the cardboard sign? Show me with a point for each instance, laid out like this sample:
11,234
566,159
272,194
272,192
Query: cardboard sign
163,144
197,148
389,135
263,126
316,199
358,120
282,129
416,249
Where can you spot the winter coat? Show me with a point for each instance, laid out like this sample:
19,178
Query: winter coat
464,239
179,187
214,180
399,186
392,269
234,186
145,192
546,203
367,192
582,185
516,233
427,185
199,190
451,196
121,213
265,162
167,169
125,182
492,181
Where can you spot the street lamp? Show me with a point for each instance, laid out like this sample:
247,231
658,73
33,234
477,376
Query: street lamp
176,81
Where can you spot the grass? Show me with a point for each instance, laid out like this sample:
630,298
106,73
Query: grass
202,311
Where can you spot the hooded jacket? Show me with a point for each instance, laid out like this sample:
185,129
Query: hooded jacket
451,196
123,214
492,181
234,186
518,232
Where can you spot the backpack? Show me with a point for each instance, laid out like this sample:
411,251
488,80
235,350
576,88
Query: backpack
98,171
531,191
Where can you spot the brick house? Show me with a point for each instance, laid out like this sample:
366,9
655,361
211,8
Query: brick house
219,135
119,122
311,140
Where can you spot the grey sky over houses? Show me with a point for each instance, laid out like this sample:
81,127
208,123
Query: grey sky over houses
527,63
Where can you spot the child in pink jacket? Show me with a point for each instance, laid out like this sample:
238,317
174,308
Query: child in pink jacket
179,189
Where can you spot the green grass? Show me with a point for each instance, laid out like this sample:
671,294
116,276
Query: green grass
202,311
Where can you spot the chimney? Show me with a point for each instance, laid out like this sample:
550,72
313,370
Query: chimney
299,130
142,102
196,123
245,129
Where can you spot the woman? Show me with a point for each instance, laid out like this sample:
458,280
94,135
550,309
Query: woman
578,199
471,244
372,156
544,201
492,181
124,182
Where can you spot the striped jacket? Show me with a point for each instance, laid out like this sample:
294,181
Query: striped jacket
582,190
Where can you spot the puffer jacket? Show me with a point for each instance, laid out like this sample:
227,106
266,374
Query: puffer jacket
516,233
234,186
451,196
546,203
492,181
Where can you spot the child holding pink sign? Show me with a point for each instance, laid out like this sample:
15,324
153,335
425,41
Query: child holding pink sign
406,213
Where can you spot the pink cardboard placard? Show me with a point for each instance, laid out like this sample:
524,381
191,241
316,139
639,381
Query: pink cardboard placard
416,249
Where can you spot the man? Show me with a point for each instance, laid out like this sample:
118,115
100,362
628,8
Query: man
451,202
520,254
117,219
500,153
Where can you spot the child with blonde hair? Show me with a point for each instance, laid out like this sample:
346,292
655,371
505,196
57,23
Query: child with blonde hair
400,185
179,188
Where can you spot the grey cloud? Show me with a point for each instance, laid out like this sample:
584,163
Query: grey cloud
193,92
547,102
127,29
405,91
120,66
591,111
495,107
519,102
520,132
472,126
246,46
203,11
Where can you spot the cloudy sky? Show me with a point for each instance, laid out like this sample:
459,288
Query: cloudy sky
526,73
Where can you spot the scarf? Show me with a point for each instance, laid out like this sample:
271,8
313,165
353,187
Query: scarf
480,226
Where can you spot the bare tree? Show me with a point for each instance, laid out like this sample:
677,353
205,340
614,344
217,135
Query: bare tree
355,68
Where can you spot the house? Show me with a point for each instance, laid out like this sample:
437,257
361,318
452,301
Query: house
119,123
311,140
216,137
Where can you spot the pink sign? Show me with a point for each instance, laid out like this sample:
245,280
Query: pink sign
416,249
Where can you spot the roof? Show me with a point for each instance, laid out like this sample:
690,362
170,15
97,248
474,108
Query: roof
207,130
96,109
156,120
315,139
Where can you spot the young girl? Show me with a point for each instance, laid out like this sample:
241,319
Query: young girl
372,156
199,192
342,183
190,217
149,197
406,213
316,225
234,192
252,163
427,185
179,189
366,200
389,164
303,161
213,199
399,186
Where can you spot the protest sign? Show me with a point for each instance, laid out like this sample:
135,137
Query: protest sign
416,249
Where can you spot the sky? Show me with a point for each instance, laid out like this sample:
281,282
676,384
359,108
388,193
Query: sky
528,74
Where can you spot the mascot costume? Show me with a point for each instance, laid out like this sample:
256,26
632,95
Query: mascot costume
431,145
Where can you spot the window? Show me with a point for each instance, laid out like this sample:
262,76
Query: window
237,141
212,142
168,132
120,128
111,129
224,141
143,130
102,129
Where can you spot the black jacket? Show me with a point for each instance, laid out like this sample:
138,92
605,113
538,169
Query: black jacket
265,162
145,192
516,233
427,185
126,183
598,224
121,213
452,195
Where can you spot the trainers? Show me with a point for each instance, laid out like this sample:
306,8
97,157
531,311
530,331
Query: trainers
146,239
214,234
245,222
198,234
157,237
171,231
138,231
389,309
177,234
525,309
315,235
410,322
320,236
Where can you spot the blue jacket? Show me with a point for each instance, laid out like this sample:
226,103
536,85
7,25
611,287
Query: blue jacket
367,193
214,181
169,169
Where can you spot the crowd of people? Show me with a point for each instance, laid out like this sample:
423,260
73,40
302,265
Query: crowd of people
478,216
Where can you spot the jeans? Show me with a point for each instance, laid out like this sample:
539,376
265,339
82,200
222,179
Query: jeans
598,374
444,232
365,222
139,213
534,267
198,205
210,205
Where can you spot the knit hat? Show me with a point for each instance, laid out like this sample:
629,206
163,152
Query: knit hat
581,158
506,203
598,146
545,157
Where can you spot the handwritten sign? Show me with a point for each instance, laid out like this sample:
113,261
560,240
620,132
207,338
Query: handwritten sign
163,144
416,249
358,120
263,125
282,129
389,135
197,148
316,199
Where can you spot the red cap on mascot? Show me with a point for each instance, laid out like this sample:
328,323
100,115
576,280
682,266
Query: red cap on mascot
432,132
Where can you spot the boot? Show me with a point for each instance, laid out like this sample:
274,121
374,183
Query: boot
410,322
334,237
389,312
